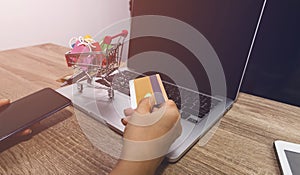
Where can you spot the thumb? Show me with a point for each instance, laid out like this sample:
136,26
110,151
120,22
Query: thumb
145,105
4,102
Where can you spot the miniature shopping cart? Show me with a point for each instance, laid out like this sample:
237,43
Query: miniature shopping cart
98,64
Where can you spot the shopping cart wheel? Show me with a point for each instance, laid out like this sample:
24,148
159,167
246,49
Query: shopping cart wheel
110,93
80,87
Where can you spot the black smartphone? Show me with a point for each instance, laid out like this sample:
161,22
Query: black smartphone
23,113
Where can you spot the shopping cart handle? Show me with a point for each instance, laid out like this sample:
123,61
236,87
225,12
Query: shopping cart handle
108,39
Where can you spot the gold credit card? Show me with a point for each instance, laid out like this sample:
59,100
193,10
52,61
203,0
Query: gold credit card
147,86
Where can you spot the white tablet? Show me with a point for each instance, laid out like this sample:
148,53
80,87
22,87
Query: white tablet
289,157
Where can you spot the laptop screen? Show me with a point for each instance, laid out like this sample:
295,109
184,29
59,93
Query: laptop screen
229,26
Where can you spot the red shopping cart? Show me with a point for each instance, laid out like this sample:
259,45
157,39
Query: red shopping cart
98,64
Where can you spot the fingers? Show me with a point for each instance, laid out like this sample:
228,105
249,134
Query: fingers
25,132
125,120
155,108
128,111
173,110
4,102
145,106
170,103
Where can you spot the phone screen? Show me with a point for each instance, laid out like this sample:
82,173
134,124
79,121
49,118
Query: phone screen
26,111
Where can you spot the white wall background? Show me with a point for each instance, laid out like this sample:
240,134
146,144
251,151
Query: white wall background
31,22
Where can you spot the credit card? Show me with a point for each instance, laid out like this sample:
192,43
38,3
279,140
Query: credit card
147,86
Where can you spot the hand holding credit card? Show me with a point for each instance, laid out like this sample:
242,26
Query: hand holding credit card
147,86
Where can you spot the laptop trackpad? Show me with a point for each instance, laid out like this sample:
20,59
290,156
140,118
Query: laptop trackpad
109,110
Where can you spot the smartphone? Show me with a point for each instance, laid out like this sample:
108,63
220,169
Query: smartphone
23,113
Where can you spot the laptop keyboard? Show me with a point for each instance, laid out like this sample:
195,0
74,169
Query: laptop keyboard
193,106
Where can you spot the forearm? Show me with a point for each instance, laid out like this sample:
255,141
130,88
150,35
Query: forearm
125,167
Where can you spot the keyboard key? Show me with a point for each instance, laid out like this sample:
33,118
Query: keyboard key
193,120
189,105
203,100
191,100
201,115
190,111
204,111
214,102
178,106
184,115
204,105
196,103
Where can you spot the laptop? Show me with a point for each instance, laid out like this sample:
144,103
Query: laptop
202,71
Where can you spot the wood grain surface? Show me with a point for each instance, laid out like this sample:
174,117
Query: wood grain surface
70,142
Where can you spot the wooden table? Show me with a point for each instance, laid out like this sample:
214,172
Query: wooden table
242,143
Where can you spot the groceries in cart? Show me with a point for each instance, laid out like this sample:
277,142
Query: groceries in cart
92,59
83,45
